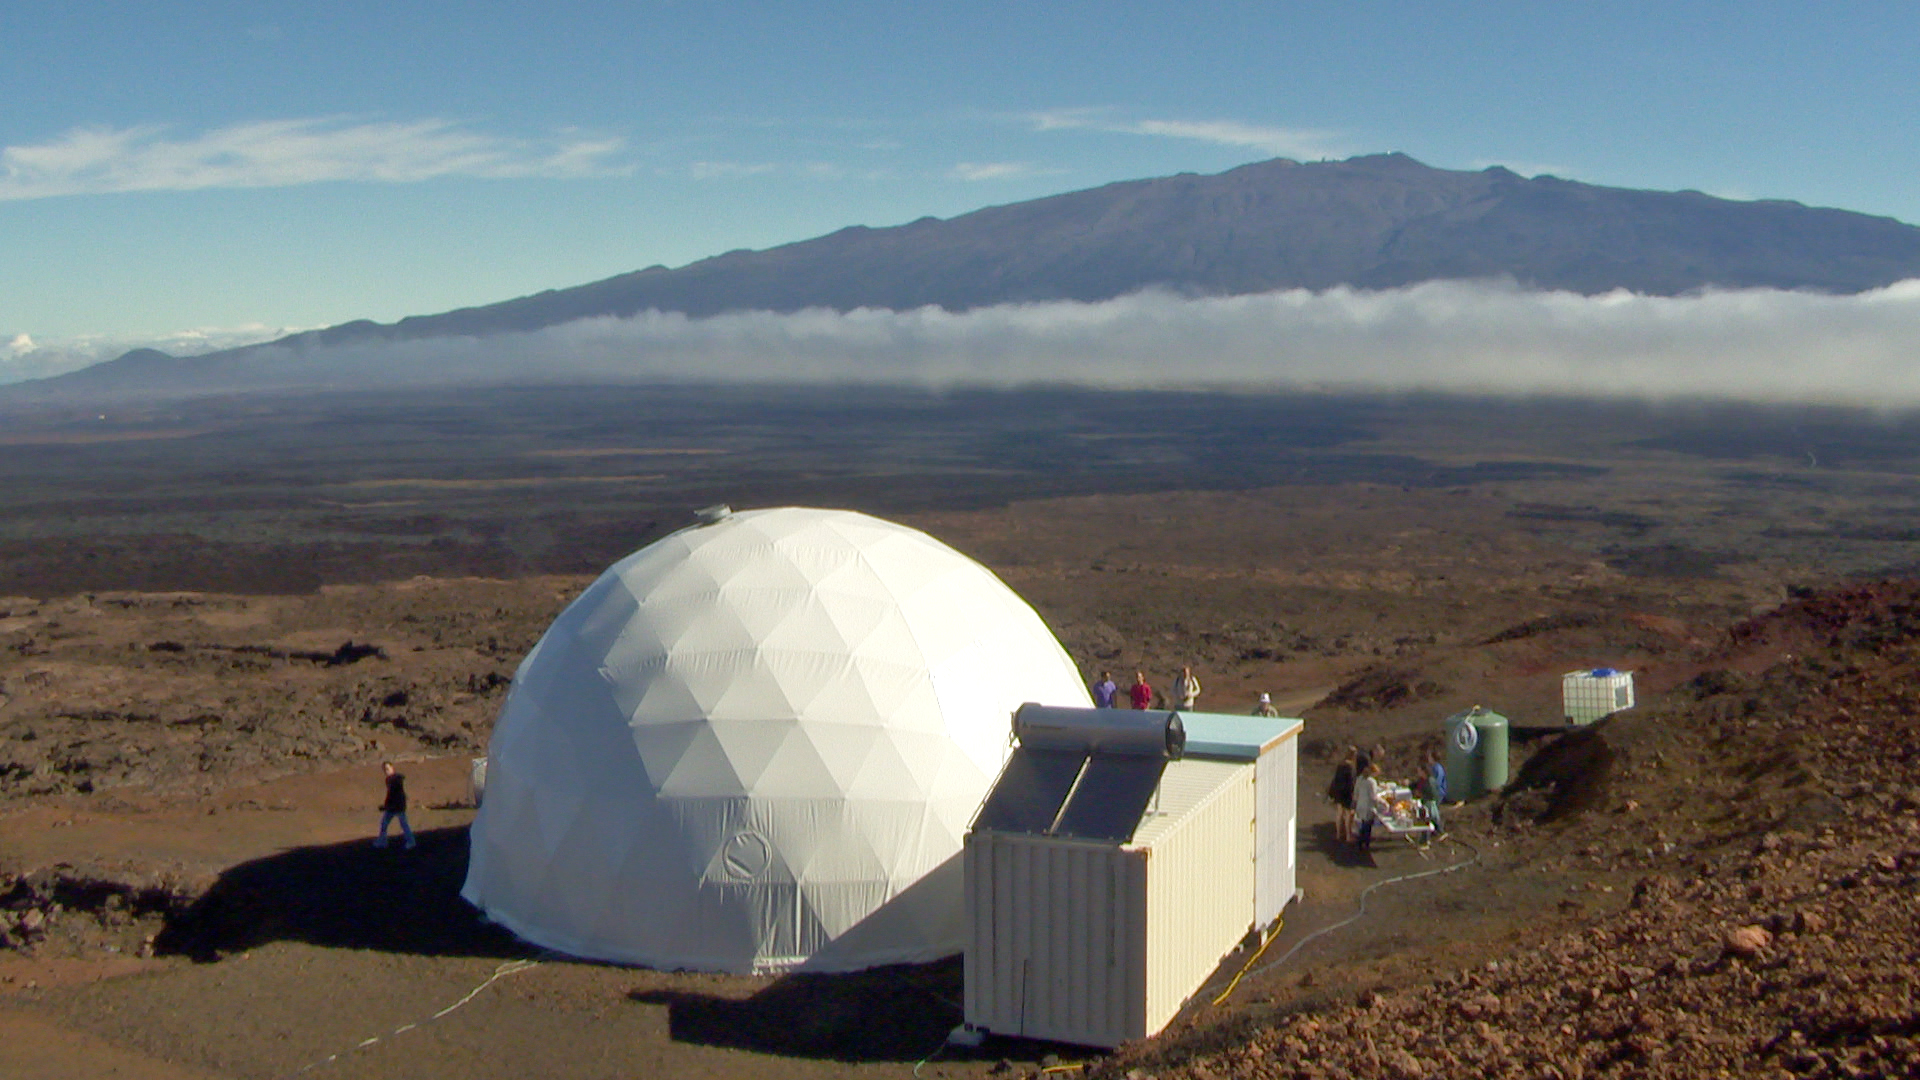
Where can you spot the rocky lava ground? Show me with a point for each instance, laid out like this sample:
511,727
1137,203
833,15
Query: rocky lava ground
1764,830
1721,882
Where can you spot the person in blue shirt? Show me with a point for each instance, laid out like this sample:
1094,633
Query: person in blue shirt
1434,791
1104,690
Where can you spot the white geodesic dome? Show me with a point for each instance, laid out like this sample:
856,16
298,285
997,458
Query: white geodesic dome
756,745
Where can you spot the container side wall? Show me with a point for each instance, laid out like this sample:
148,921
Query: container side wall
1277,783
981,970
1200,896
1056,946
1134,970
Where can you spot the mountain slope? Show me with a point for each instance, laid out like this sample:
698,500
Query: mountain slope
1371,222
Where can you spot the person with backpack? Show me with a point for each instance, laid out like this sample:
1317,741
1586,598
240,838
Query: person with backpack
1185,690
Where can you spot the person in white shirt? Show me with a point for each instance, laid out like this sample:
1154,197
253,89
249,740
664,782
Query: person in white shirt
1365,790
1184,691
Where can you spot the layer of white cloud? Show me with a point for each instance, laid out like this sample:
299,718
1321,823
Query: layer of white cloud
1303,143
1752,345
284,153
22,358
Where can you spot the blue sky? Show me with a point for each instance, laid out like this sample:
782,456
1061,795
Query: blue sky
210,167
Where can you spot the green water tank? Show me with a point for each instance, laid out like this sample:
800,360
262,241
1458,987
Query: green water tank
1476,753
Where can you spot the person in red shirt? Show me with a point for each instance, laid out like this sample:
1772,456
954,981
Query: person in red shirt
1140,693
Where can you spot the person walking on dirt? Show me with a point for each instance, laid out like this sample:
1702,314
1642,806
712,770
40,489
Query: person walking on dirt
1365,790
1264,707
1184,691
1140,694
1104,690
1340,793
395,806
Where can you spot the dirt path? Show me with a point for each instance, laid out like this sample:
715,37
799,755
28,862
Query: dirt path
35,1048
337,959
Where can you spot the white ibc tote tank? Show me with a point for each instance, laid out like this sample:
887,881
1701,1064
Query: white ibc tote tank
756,745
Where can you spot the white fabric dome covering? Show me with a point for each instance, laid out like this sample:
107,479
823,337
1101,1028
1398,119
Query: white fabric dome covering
755,745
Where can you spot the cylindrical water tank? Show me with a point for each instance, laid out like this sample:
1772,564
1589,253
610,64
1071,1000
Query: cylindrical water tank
1100,731
1476,753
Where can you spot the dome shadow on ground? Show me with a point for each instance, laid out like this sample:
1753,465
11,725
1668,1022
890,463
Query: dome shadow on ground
897,1013
347,896
901,1012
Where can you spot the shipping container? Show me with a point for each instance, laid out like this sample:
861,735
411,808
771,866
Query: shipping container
1097,940
1273,745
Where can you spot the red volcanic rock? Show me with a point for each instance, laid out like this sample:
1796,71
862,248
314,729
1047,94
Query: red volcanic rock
1748,940
1769,927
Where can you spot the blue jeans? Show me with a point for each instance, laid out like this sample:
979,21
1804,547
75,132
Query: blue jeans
386,818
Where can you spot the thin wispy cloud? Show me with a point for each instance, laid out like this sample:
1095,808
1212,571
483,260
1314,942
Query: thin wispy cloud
286,153
741,170
992,170
726,170
1286,142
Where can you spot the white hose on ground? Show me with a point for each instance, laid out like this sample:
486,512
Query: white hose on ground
1361,909
511,967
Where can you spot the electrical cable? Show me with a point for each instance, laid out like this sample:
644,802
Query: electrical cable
1266,939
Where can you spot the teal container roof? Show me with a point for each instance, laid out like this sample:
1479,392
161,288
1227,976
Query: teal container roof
1235,738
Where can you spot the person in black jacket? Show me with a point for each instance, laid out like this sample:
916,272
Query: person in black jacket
395,806
1340,793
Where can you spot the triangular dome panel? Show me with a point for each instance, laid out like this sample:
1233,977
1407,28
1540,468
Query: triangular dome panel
745,743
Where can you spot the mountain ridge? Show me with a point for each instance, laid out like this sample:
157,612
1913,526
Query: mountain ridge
1373,222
